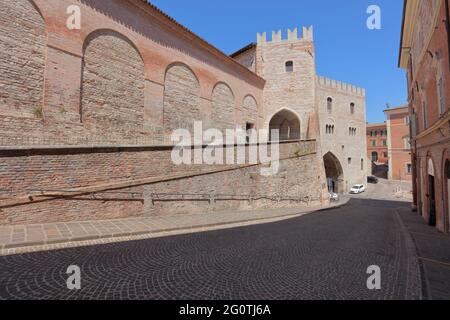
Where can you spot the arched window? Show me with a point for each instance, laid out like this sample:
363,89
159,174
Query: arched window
362,164
330,105
329,129
352,108
289,66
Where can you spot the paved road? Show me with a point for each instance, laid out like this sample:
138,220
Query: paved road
319,256
388,190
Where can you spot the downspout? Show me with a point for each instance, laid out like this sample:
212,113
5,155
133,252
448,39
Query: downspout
447,14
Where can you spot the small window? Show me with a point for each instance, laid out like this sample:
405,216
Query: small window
384,143
352,108
409,168
374,143
349,160
362,164
330,105
289,66
407,120
407,143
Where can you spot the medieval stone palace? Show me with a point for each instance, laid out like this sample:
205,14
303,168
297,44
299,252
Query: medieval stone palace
86,115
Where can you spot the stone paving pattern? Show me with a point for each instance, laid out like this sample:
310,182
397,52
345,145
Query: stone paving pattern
317,256
13,238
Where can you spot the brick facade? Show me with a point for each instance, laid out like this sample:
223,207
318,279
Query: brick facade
101,96
399,148
377,143
425,55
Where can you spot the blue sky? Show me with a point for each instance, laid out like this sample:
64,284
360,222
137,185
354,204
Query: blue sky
346,49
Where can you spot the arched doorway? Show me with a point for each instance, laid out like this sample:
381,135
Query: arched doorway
431,194
288,125
447,191
334,173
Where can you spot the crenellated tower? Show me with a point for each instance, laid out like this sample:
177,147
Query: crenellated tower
288,66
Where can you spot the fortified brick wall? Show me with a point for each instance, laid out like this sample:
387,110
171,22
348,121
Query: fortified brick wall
116,174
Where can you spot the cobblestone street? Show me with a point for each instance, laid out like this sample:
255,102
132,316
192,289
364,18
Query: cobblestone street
323,255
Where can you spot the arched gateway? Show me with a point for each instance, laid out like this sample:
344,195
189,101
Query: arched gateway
334,173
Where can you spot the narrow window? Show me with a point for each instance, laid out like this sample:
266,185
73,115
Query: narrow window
330,105
349,160
289,66
248,127
362,164
424,115
409,168
441,96
352,108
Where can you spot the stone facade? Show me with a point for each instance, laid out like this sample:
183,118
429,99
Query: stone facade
425,55
296,103
346,140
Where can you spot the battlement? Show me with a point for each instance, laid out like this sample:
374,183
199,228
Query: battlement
334,84
292,36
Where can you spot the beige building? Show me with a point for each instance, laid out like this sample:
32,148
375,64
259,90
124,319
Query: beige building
307,106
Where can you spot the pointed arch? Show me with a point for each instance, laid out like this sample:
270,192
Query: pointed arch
334,173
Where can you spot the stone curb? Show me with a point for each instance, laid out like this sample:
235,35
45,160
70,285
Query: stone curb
56,242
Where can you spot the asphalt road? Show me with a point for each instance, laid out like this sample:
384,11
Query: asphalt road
318,256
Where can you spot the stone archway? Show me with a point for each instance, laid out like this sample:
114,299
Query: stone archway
288,125
431,193
334,173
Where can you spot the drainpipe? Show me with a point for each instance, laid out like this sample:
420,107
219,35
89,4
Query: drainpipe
447,14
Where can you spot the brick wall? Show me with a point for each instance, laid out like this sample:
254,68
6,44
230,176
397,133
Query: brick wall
22,59
223,106
112,93
103,86
181,98
31,170
250,111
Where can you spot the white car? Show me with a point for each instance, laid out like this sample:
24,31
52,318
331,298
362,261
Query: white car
358,188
